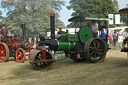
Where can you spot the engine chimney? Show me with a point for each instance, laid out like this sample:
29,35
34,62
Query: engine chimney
23,30
52,23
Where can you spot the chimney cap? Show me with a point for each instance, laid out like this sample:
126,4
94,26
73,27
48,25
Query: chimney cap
52,14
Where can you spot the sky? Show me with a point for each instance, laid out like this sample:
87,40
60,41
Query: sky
65,14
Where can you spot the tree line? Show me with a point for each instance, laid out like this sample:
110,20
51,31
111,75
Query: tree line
95,9
35,13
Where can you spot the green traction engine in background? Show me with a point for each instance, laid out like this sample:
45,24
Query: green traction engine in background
80,46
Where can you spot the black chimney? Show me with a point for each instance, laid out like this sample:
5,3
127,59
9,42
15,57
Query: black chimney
23,30
52,23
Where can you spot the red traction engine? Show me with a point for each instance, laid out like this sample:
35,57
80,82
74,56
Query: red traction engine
14,47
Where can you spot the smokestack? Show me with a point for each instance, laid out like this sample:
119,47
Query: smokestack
52,23
23,30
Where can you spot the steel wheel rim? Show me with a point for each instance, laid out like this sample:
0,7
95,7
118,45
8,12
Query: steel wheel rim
20,55
2,53
30,50
96,50
42,64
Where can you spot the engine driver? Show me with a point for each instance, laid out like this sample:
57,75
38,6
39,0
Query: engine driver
3,33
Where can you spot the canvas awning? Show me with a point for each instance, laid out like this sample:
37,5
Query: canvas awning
123,11
84,19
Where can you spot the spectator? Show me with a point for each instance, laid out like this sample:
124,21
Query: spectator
120,40
94,28
123,34
103,35
9,33
110,38
77,30
114,38
117,36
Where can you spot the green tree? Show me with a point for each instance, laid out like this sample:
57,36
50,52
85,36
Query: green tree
35,13
1,15
93,8
116,6
1,18
124,16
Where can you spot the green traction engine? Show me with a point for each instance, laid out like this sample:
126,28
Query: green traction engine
80,46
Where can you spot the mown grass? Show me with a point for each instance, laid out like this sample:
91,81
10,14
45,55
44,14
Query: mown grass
113,71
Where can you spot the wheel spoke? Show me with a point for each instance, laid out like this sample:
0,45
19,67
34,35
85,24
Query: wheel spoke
91,53
98,45
39,57
100,49
94,44
99,53
91,47
95,55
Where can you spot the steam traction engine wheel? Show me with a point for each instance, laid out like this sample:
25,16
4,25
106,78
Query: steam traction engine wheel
20,55
4,52
95,50
30,50
36,57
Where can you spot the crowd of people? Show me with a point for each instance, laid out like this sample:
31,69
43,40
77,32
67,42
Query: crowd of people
117,38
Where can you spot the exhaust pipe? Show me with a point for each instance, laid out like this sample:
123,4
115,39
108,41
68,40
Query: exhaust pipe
23,30
52,23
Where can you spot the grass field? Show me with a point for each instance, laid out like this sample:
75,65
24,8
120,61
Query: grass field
113,71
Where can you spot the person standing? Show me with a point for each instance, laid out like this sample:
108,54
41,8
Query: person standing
9,33
3,33
124,34
120,40
114,38
110,38
103,35
94,28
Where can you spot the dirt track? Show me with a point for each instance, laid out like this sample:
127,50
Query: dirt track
113,71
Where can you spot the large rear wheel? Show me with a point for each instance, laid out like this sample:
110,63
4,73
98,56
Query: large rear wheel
36,56
95,50
4,52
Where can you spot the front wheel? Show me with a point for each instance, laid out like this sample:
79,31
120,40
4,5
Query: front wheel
36,56
20,55
95,50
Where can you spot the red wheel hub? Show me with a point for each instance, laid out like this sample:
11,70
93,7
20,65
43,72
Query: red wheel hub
96,50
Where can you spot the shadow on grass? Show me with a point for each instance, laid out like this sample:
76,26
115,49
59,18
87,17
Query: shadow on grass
122,63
